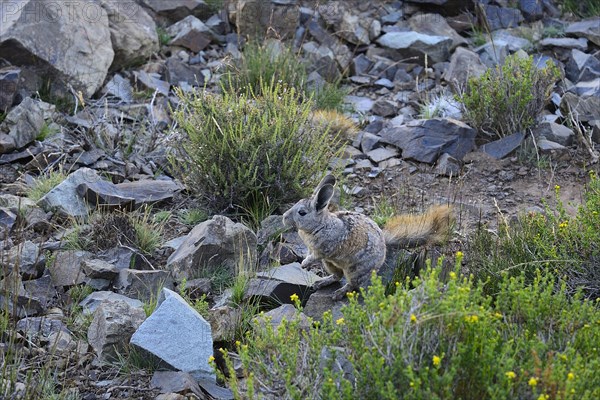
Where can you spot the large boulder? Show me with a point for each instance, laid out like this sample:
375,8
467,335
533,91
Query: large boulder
22,125
70,41
132,31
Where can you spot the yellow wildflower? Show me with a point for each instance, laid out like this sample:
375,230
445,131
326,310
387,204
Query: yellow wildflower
459,254
532,382
543,397
413,318
510,375
570,376
452,275
211,359
339,321
294,297
436,361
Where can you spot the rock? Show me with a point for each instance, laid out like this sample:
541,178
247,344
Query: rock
190,33
268,292
567,43
254,18
177,335
321,301
322,60
502,17
588,28
501,148
285,312
42,290
66,269
354,28
128,195
27,257
384,108
9,83
445,7
293,274
21,125
175,382
360,104
112,327
69,41
99,269
426,140
491,54
132,32
7,221
436,25
224,320
555,132
587,88
151,81
270,227
215,244
405,45
14,299
581,66
64,199
531,9
512,42
447,165
382,154
52,333
120,88
584,108
95,299
142,285
176,10
547,146
182,74
342,53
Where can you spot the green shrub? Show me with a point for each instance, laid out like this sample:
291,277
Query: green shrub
508,99
581,8
436,341
552,241
250,154
45,183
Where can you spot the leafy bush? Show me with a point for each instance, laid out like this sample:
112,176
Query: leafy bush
582,8
250,154
552,241
436,341
508,99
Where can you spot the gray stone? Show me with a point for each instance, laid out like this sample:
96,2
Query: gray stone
21,125
503,147
512,42
436,25
361,64
568,43
322,60
256,17
491,55
581,66
66,269
382,154
447,165
321,301
532,9
69,41
132,32
218,243
224,318
190,33
119,87
9,83
112,326
354,28
42,290
7,221
142,285
16,300
583,108
384,108
177,335
95,299
291,273
426,140
502,17
268,292
176,10
414,44
270,228
27,258
587,88
285,312
64,199
446,7
555,132
360,104
369,141
588,28
175,382
152,81
99,269
547,146
180,73
342,53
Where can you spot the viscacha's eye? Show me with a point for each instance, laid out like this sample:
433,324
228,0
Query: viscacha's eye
302,212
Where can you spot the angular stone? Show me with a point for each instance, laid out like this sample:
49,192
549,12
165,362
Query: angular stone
255,18
568,43
132,32
384,108
99,269
268,292
447,165
177,335
503,147
584,108
513,43
531,9
142,285
15,300
321,301
21,125
64,198
426,140
66,269
347,24
182,74
382,154
42,290
435,25
9,82
360,104
413,44
175,382
7,221
547,146
218,243
322,60
190,33
285,312
555,132
342,53
152,81
588,28
502,17
581,66
291,273
587,89
176,10
69,41
27,257
95,299
112,327
446,7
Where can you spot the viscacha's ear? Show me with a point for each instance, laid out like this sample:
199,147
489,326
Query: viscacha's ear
327,180
323,196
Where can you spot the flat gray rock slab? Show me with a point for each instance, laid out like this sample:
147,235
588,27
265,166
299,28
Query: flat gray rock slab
94,300
291,273
502,147
178,335
64,199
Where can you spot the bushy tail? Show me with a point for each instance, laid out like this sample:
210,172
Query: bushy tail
431,227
